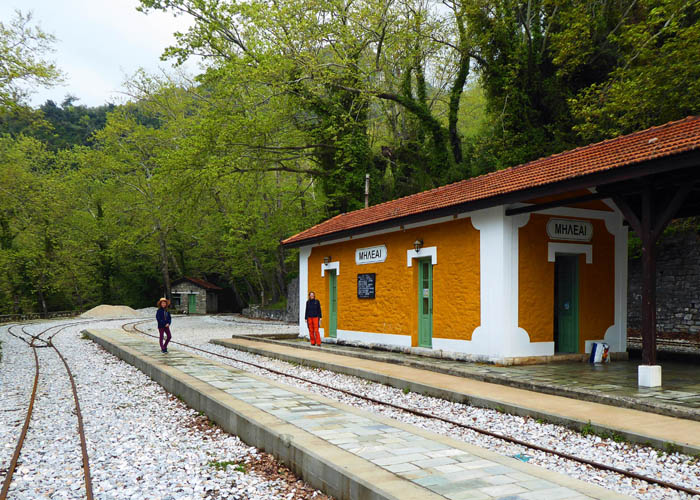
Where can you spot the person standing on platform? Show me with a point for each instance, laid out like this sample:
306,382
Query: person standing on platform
313,318
164,319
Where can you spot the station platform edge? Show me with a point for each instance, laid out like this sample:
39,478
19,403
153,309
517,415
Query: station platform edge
344,451
660,431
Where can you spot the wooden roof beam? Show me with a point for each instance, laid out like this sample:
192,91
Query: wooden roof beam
557,203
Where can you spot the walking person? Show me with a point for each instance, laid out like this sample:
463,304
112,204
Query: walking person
164,319
313,318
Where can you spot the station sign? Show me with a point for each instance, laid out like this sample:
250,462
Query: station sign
370,255
569,229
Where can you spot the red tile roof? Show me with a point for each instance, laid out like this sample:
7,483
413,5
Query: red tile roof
200,282
657,142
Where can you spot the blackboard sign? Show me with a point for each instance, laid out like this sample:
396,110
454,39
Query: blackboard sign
365,285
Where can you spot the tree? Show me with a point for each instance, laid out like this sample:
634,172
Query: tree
22,62
655,80
337,65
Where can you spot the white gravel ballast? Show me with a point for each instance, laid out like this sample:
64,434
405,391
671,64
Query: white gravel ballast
142,442
672,467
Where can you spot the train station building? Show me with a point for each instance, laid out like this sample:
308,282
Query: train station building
525,262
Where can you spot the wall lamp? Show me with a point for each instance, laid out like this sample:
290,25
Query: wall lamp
418,244
327,260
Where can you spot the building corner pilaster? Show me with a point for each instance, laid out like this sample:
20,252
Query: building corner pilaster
304,254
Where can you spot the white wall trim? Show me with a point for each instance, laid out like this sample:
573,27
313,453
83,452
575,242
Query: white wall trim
424,252
554,248
331,266
520,338
304,254
616,335
499,336
374,338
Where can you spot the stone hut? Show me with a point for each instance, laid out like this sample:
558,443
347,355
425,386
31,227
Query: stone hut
195,296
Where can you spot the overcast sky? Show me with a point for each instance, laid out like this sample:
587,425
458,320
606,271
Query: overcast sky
100,42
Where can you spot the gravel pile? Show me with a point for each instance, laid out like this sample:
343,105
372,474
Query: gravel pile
147,312
142,442
673,467
107,311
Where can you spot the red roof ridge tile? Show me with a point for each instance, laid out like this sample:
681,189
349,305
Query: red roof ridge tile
594,144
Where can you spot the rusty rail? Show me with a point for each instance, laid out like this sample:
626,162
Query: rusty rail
81,431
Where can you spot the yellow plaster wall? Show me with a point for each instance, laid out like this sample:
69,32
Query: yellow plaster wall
536,283
456,285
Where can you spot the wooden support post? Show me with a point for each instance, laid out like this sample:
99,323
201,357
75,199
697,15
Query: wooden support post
648,280
649,225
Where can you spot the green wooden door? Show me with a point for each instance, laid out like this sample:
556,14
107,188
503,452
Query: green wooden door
192,305
425,303
567,303
333,303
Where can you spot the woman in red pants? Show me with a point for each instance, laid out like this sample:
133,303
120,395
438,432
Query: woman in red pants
313,318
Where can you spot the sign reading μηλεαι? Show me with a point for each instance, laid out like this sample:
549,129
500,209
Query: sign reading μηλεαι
569,229
370,255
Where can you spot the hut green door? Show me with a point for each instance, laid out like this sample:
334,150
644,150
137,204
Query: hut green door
332,303
192,305
566,303
425,303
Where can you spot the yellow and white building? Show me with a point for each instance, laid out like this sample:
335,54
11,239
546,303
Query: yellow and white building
528,261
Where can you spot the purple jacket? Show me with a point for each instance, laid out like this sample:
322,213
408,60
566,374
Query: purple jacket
163,318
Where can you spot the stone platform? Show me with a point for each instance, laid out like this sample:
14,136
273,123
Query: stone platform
346,452
465,382
612,383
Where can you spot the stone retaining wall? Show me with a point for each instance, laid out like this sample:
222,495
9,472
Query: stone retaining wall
255,312
677,286
290,315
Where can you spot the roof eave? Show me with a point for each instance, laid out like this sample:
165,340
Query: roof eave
627,172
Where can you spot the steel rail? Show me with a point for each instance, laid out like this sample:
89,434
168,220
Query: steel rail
20,442
81,431
420,413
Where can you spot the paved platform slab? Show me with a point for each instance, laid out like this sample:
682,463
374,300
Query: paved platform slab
346,452
610,383
634,425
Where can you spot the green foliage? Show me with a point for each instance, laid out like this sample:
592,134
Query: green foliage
671,448
296,103
564,74
656,78
224,464
58,127
22,47
588,429
279,305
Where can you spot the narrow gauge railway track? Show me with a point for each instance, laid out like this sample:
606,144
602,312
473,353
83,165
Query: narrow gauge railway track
420,413
35,341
